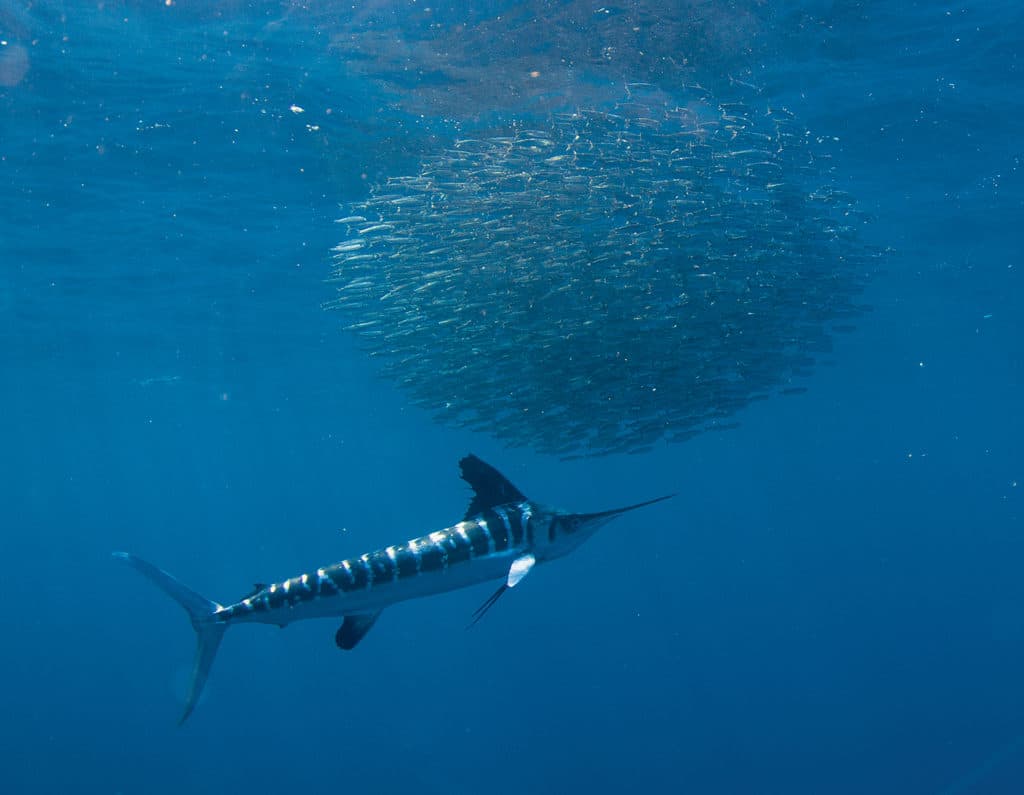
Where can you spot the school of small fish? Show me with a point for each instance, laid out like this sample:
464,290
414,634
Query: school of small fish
608,280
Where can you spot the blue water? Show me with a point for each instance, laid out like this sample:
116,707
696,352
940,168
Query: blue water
834,602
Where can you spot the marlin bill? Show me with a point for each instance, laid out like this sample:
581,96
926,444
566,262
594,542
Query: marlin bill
503,536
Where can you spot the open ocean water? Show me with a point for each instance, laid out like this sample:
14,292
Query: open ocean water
833,603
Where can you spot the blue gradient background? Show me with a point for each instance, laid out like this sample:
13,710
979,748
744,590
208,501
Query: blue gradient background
833,604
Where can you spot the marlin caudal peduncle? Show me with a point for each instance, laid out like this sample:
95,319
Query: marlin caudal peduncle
503,536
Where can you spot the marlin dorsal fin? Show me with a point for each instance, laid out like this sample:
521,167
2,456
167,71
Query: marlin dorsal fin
490,487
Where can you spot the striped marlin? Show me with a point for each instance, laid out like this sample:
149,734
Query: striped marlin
503,536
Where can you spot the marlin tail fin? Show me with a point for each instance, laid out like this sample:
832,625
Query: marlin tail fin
200,610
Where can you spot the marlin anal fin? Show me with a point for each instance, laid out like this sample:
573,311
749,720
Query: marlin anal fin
490,487
520,567
354,628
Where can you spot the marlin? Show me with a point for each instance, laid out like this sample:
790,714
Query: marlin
503,536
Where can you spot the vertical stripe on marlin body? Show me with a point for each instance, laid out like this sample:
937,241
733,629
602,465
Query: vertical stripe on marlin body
502,536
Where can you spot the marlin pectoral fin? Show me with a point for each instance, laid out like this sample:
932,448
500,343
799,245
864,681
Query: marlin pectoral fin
520,568
354,628
490,487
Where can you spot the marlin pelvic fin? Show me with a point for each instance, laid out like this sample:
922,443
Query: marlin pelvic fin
520,567
482,610
200,611
490,487
354,628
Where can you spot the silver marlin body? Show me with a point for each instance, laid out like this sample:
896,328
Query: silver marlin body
503,536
